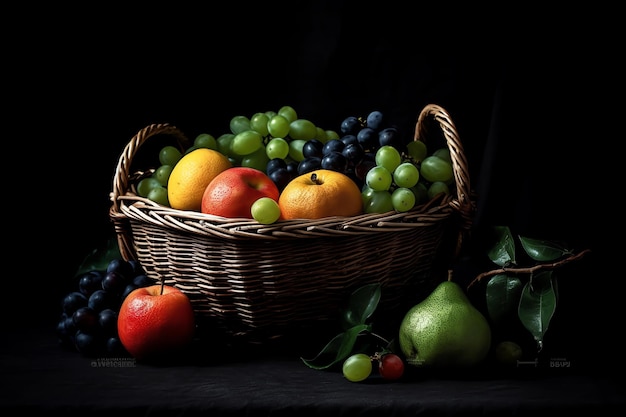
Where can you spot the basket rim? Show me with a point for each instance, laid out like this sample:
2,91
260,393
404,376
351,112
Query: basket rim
142,209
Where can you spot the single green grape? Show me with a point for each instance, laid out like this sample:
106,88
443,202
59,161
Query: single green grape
277,148
331,134
378,202
417,150
159,195
257,159
169,155
265,210
239,124
443,153
402,199
366,195
378,178
224,143
146,185
434,169
357,367
321,135
389,157
205,140
508,353
258,122
406,175
162,174
295,149
246,142
288,113
191,149
278,126
438,187
302,129
421,193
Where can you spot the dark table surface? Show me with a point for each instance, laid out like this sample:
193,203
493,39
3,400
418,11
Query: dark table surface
39,375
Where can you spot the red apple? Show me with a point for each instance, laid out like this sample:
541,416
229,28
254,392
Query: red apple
155,321
233,191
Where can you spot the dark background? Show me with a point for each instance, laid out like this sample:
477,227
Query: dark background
535,108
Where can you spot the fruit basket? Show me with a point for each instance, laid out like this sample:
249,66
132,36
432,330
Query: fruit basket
254,283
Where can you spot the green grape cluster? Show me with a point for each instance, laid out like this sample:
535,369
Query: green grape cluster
400,181
254,141
270,141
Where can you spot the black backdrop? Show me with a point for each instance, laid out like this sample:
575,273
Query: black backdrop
531,105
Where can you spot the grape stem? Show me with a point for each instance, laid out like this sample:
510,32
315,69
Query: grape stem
528,270
376,335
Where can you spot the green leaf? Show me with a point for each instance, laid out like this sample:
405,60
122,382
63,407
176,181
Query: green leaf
337,350
502,253
99,258
537,305
361,305
503,295
541,250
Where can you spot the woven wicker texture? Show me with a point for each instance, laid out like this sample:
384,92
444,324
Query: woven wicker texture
254,282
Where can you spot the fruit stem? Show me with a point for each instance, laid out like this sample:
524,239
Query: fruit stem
315,179
387,342
162,285
529,270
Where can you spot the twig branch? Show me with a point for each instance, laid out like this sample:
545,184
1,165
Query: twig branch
529,270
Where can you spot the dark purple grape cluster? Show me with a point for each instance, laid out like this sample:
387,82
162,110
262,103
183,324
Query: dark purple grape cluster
281,172
88,321
353,153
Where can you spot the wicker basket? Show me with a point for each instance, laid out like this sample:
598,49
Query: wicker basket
254,283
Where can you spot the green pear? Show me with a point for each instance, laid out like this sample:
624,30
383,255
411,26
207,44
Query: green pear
444,330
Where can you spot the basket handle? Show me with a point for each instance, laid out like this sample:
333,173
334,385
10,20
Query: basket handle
122,181
463,203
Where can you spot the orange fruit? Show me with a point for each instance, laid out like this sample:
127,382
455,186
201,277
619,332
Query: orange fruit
191,175
318,194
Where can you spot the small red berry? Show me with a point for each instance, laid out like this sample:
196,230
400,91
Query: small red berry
390,366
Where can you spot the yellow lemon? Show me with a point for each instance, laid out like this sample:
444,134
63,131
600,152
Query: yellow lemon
191,175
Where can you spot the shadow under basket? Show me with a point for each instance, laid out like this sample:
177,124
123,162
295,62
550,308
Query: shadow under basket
254,283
